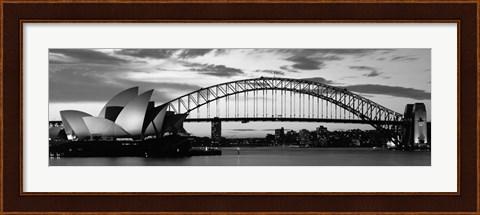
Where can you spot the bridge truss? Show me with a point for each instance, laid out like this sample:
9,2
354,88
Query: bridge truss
284,99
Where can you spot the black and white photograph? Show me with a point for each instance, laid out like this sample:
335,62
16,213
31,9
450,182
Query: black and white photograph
239,107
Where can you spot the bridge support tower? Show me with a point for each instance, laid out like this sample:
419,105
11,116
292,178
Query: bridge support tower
415,129
216,130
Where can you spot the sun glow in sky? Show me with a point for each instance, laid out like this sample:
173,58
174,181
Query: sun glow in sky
85,79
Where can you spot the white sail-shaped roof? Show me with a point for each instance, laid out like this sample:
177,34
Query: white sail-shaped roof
155,126
133,114
74,125
120,100
104,127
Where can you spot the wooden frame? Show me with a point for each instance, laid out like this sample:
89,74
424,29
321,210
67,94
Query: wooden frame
15,201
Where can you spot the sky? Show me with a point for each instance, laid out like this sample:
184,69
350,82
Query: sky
85,79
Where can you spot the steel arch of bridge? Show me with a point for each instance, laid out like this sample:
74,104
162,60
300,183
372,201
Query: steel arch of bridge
377,115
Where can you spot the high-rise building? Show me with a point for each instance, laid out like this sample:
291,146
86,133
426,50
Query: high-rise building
216,130
280,136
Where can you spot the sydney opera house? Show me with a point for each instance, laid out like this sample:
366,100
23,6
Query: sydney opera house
126,115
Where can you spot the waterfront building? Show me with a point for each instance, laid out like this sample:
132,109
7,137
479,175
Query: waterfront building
280,136
126,115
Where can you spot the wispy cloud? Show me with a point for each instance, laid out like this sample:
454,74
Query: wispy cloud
323,52
304,63
373,72
320,80
148,53
403,58
214,70
271,72
192,53
86,84
167,53
84,56
356,51
329,58
250,129
288,69
396,91
219,52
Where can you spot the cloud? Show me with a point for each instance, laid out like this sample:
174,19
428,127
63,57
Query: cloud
77,85
323,52
363,68
148,53
219,52
251,129
355,51
398,58
319,80
214,70
349,77
242,129
305,63
396,91
166,53
84,56
55,59
206,69
271,72
80,84
329,58
160,97
402,58
288,69
373,72
193,53
162,86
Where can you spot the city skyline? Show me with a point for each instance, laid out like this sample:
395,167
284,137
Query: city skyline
84,79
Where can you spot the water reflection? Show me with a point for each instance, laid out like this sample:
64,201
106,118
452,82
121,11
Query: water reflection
269,156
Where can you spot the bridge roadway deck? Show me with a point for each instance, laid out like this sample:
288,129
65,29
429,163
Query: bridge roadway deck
281,119
288,119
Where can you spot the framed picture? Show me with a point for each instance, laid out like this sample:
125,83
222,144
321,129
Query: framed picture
224,107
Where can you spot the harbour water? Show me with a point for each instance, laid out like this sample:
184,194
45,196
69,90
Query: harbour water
267,156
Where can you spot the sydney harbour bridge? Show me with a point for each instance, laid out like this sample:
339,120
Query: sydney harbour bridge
288,100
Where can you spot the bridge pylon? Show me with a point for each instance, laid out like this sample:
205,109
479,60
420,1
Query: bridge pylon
415,127
216,130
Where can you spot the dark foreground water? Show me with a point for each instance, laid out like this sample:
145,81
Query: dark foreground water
268,156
